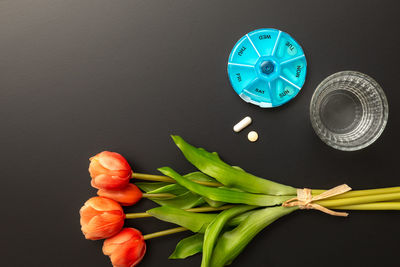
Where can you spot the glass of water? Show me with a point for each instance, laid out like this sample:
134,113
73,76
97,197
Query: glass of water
349,110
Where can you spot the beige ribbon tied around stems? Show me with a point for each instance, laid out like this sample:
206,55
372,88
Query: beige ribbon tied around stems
305,199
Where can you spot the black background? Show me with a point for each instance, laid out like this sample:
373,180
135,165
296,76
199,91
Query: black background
81,76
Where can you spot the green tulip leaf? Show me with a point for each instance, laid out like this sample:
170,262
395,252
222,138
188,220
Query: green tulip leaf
184,201
240,218
212,165
214,229
150,186
224,194
199,176
195,222
213,203
175,189
232,243
188,246
238,168
184,198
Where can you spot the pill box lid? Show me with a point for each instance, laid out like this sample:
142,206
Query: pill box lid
267,67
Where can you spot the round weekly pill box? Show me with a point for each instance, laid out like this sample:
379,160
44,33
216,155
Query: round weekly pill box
267,67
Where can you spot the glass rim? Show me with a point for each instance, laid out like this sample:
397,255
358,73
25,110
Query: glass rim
314,112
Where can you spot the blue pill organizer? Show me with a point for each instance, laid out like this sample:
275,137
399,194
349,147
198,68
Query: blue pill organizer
267,67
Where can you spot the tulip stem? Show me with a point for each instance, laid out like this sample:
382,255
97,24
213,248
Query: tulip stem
359,200
360,193
371,206
137,215
161,195
165,232
151,177
160,178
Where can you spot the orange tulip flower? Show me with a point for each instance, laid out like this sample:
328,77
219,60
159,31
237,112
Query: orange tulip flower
126,196
101,218
109,170
126,249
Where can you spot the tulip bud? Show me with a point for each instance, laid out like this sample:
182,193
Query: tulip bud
109,170
126,249
126,196
101,218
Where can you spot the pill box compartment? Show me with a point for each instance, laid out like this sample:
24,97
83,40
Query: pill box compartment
267,67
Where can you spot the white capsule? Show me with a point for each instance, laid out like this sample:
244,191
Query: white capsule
252,136
242,124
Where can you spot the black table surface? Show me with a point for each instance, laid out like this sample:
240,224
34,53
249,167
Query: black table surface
81,76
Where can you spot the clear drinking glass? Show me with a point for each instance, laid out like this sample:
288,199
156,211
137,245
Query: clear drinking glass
349,110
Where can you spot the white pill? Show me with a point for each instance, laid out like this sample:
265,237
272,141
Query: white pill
252,136
242,124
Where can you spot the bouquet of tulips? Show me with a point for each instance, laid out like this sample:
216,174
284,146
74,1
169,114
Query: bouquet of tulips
222,205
